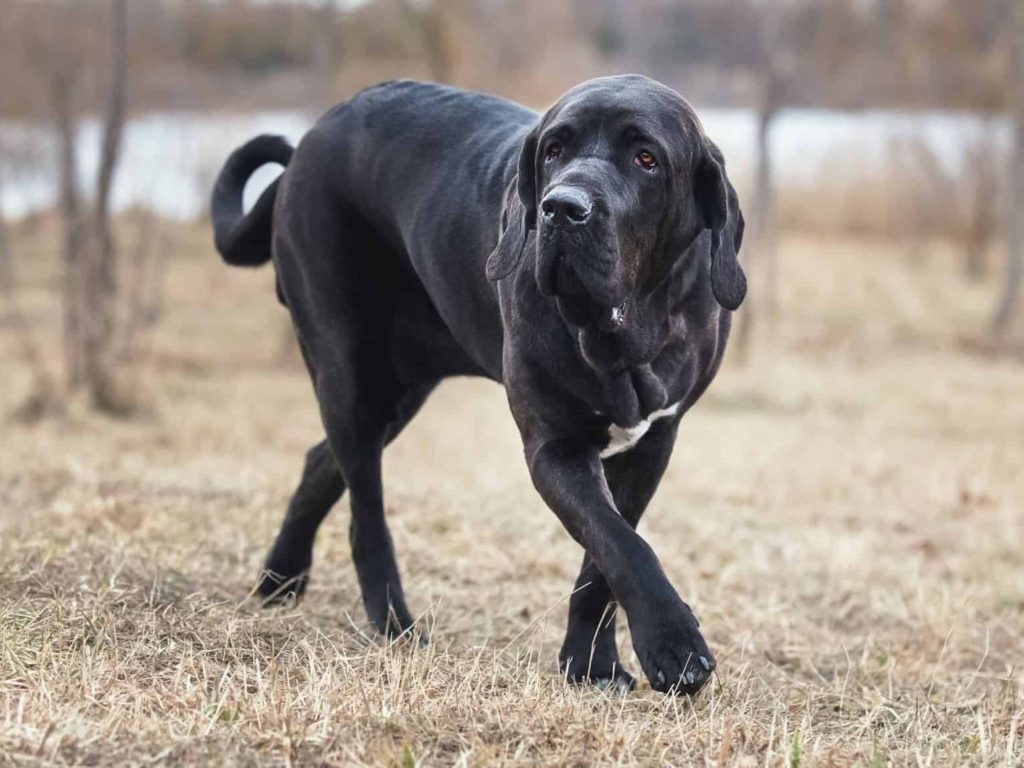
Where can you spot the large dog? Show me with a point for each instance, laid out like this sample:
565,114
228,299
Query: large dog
585,258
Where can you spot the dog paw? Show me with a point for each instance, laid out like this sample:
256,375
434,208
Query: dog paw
673,653
589,658
275,588
392,618
604,675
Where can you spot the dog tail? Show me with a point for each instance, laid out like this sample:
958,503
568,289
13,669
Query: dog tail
243,239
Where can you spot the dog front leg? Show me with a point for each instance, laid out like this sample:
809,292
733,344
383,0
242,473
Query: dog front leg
666,638
589,653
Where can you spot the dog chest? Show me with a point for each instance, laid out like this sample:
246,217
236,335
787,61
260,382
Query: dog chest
621,439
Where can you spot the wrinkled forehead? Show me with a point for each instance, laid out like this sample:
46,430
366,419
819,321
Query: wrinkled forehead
606,103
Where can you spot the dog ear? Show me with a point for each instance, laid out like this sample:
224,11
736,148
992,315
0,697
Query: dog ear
712,192
519,215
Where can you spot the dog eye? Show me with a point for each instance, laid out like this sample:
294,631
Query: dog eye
554,151
646,161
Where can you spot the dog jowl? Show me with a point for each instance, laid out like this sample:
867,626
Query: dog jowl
584,258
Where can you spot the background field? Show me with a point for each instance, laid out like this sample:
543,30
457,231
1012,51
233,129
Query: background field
843,511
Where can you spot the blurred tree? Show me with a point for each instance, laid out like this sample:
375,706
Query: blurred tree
326,51
100,289
778,74
772,76
67,51
609,37
62,58
1008,308
982,208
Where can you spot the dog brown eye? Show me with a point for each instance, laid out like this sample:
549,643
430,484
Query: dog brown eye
554,151
646,161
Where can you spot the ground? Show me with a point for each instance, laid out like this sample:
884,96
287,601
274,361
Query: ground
844,511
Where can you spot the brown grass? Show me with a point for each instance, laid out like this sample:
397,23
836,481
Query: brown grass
844,513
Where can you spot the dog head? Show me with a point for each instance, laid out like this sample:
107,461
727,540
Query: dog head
618,180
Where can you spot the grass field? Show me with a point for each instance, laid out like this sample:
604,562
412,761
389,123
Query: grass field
844,511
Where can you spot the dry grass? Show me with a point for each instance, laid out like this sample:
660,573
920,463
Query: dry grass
845,514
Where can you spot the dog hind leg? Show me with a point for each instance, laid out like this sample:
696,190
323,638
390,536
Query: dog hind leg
286,569
360,447
286,572
346,289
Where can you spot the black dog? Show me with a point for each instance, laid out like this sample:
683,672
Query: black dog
585,259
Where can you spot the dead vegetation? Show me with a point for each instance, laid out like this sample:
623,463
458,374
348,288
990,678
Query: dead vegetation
844,512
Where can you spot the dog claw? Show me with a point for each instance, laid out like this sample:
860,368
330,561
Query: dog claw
661,678
615,685
705,663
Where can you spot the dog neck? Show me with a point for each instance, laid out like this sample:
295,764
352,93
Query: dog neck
623,358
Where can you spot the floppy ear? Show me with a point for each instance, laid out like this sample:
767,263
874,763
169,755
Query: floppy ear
712,192
519,215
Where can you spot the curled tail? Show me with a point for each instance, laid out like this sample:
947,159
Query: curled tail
243,239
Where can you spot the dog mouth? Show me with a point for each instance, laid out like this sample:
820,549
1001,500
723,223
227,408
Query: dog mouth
586,297
580,308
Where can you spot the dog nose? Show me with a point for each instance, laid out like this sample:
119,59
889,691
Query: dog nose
566,205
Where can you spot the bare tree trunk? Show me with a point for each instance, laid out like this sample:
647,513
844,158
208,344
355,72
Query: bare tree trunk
101,275
766,208
763,241
114,123
778,67
325,53
982,208
1009,304
66,125
981,222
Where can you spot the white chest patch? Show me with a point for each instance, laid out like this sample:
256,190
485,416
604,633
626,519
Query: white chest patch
621,439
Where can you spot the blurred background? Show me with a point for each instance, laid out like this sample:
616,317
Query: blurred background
892,122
